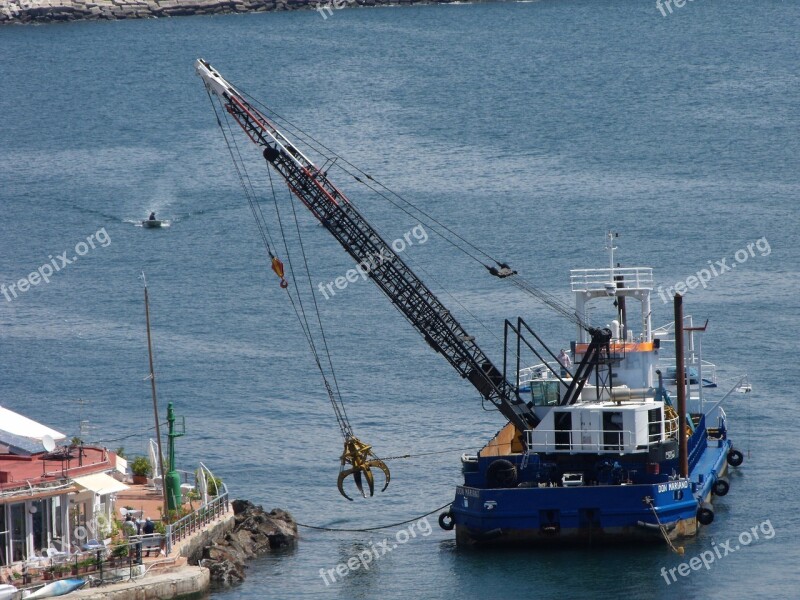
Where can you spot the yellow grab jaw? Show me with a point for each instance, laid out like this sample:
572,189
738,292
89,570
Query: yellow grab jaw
358,458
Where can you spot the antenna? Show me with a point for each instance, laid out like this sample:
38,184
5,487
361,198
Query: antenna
83,424
48,443
610,235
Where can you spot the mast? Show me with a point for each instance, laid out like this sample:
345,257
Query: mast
359,239
680,370
155,402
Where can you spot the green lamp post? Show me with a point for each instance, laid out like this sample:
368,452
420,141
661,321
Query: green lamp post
172,481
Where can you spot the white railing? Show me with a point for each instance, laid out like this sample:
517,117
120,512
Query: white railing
590,280
528,374
669,431
624,440
707,369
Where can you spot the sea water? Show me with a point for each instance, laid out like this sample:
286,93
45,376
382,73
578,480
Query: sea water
528,128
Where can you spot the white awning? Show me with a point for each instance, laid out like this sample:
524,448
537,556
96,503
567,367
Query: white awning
23,426
100,483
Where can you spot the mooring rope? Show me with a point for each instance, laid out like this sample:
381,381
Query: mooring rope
679,549
318,528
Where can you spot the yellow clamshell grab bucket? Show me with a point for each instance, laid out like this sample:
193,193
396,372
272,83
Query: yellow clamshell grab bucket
358,458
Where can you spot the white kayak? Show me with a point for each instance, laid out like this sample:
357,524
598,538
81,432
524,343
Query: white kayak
7,591
57,588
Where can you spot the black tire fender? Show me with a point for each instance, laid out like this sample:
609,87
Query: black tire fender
735,458
705,514
501,474
720,487
446,521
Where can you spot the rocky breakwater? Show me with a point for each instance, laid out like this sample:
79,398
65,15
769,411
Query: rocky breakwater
45,11
30,11
254,532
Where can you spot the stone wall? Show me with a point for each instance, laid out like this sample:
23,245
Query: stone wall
44,11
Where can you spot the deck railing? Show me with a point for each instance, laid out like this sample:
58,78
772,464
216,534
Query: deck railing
584,440
186,526
588,280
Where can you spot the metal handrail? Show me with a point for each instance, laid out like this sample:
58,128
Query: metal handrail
625,439
199,518
585,280
667,425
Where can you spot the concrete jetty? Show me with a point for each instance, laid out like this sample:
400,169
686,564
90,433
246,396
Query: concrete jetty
222,548
183,582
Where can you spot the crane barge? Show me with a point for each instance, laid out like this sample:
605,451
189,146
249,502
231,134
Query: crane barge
576,462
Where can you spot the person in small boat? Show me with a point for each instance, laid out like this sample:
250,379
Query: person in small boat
565,361
152,217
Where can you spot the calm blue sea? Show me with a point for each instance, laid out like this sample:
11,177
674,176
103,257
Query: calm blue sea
530,128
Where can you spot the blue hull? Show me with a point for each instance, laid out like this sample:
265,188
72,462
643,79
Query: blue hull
592,514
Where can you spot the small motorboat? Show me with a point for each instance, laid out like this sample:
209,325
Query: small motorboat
153,223
57,588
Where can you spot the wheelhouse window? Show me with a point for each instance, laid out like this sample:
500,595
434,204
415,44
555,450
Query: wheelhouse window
612,430
545,393
654,425
563,425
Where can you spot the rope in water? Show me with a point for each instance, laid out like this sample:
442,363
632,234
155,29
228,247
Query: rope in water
679,549
318,528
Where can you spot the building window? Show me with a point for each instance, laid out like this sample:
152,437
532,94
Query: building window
56,516
17,531
4,535
40,523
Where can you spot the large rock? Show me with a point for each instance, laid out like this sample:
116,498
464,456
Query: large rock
254,532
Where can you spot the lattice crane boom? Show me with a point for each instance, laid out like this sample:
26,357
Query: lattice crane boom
360,240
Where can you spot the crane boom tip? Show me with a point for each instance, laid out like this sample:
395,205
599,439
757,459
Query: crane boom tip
212,79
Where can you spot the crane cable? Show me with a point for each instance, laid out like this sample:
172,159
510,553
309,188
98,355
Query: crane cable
244,180
503,272
266,237
315,144
330,155
338,407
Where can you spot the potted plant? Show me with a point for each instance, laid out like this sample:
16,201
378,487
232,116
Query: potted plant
140,467
85,564
214,486
119,553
